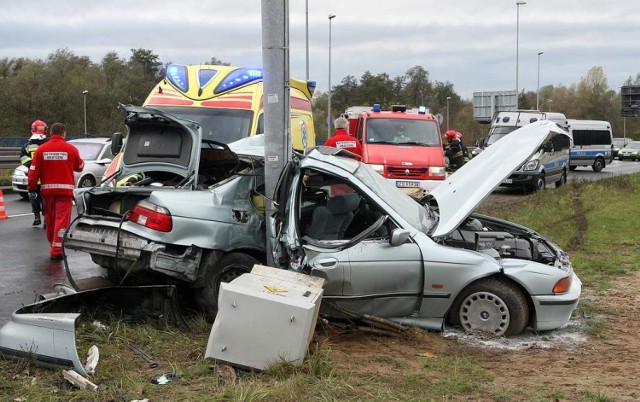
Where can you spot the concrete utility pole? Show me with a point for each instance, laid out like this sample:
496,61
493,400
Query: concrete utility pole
538,90
277,123
306,25
518,4
329,117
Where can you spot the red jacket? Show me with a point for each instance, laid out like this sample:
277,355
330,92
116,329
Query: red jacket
342,139
53,164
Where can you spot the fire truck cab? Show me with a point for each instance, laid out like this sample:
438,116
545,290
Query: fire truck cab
404,146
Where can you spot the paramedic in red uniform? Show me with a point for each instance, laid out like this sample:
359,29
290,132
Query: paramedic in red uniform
53,164
342,139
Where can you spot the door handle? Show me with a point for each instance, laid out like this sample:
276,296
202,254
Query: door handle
325,263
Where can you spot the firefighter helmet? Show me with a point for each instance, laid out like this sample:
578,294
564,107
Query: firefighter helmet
39,127
451,135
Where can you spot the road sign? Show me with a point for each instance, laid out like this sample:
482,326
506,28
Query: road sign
630,101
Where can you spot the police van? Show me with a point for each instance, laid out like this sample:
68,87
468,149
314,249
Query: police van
592,143
550,163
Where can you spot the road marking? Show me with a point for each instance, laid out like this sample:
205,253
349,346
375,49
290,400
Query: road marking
19,215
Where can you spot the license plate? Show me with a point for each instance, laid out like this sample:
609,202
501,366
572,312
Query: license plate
507,181
405,184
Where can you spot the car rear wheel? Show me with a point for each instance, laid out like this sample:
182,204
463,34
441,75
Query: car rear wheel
572,168
563,180
226,269
598,165
491,306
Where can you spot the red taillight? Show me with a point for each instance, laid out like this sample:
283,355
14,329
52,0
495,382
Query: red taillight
152,216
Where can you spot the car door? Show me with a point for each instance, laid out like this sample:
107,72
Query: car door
364,272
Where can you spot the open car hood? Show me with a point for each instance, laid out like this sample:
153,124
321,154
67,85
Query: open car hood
463,191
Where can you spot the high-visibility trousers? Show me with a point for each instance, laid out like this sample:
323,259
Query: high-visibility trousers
57,215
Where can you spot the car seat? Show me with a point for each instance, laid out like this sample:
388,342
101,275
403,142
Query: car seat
331,221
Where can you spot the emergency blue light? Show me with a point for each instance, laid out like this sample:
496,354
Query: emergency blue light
238,78
311,86
177,75
205,76
376,107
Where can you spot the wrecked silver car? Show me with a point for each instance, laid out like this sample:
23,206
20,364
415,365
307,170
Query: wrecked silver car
383,254
380,252
185,210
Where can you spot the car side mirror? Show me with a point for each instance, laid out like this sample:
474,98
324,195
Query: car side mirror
480,143
398,237
116,143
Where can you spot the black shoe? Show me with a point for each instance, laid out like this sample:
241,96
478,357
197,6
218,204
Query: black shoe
37,221
57,257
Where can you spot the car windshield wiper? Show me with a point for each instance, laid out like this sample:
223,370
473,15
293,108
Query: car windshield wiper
424,144
381,142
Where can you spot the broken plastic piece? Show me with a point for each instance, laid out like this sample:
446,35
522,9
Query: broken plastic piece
92,360
78,380
164,378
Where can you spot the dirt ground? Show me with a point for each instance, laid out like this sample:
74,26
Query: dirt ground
607,365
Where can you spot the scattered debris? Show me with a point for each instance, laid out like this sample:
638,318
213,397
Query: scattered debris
78,380
162,379
136,349
428,354
99,326
92,360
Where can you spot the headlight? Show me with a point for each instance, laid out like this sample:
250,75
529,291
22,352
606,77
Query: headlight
19,173
436,170
378,168
531,165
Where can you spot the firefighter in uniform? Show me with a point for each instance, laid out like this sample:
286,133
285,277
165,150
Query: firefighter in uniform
53,164
455,150
38,137
342,139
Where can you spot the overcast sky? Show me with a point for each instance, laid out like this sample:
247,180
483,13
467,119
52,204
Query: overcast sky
471,43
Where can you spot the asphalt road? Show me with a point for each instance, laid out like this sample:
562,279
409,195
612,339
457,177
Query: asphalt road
27,271
25,267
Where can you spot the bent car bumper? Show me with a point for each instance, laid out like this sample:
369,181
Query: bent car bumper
553,311
106,241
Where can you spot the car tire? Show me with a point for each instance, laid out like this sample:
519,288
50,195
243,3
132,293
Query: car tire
572,168
492,306
226,269
539,184
563,180
598,165
86,181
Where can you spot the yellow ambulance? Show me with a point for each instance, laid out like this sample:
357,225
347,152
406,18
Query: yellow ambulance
228,102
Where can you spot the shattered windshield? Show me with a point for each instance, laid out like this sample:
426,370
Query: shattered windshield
221,125
405,206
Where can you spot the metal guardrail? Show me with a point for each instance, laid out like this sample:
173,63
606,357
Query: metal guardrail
9,157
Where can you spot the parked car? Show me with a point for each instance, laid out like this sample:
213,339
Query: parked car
96,153
631,151
196,219
619,143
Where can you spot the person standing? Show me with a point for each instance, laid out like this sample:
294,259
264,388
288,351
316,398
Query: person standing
53,164
38,137
342,139
455,151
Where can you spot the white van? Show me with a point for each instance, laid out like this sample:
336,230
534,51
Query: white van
505,122
592,144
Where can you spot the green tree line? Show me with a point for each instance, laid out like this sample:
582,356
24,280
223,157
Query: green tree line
52,90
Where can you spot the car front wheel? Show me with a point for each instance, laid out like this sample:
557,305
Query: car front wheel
492,306
86,181
226,269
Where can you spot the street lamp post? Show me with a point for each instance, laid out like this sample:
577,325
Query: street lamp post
307,35
448,99
538,90
331,16
84,96
518,4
